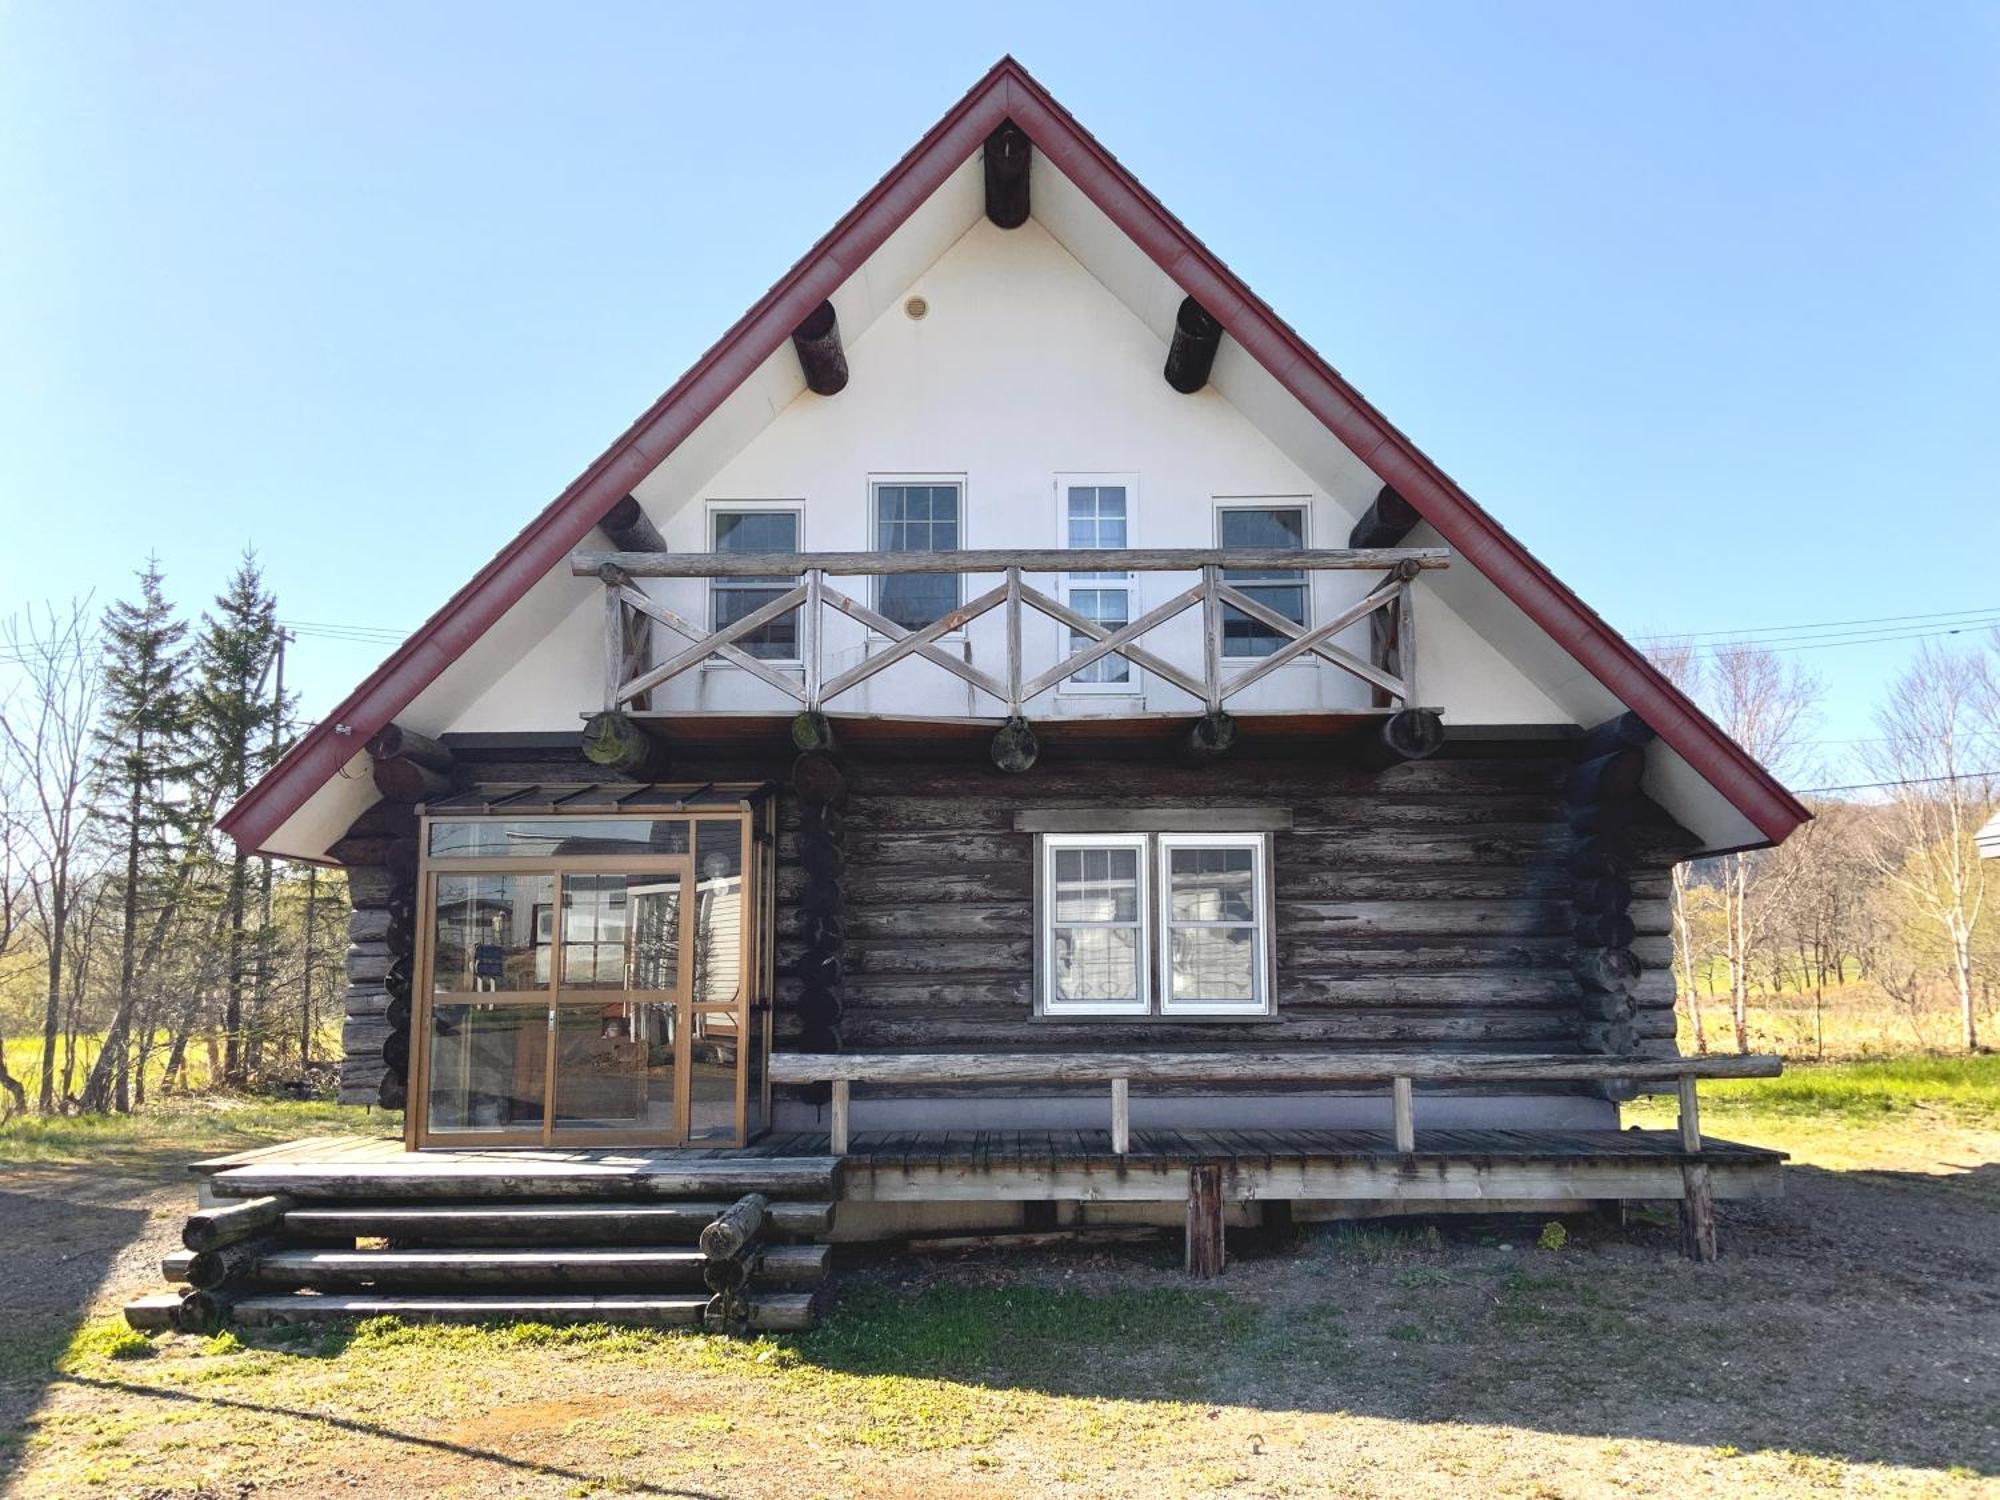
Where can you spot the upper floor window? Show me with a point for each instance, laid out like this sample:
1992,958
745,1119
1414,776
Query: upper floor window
1098,515
918,515
1265,525
755,527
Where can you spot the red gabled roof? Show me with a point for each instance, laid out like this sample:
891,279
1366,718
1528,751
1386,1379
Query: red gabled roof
1008,92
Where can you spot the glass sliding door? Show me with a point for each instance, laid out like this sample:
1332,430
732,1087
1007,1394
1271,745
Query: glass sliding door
593,980
619,1053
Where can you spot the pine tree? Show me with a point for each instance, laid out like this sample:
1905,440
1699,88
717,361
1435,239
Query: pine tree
234,722
143,719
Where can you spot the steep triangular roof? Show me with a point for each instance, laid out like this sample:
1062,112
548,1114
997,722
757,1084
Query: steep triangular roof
1007,92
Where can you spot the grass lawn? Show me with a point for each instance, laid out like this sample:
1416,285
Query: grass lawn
1845,1344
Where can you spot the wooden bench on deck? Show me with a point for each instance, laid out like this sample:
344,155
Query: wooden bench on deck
1447,1166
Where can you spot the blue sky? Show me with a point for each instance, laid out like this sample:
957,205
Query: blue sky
1702,301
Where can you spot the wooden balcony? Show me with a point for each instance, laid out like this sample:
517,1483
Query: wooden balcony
997,665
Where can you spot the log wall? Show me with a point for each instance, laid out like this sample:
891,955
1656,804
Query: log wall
1432,904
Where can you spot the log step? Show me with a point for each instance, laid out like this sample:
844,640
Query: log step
767,1314
785,1265
541,1223
419,1179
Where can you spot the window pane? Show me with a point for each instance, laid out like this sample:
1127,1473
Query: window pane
492,933
1281,590
916,518
621,932
713,1046
1211,885
718,940
1110,608
1212,964
1097,963
733,598
487,1066
546,838
1096,885
614,1067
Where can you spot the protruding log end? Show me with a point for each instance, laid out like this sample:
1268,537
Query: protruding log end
1211,735
1191,356
408,781
619,743
1606,778
817,778
821,356
812,731
1408,734
1385,523
397,743
1009,157
1014,746
629,528
394,1094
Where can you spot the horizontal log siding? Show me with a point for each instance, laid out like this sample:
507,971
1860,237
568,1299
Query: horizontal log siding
1428,905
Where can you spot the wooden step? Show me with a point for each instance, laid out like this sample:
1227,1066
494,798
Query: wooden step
541,1223
418,1177
784,1265
785,1312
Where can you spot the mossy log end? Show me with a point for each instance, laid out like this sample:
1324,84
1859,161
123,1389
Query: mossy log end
619,743
812,731
1015,747
1211,735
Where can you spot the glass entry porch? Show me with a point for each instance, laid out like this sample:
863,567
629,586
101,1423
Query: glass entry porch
592,977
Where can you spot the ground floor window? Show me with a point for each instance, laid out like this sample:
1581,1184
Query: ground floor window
1153,924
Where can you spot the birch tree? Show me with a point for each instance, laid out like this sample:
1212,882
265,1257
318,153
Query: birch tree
1936,740
1767,704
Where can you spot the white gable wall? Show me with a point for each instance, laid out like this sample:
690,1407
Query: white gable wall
1025,367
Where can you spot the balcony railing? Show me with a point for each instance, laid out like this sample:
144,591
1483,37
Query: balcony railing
1390,667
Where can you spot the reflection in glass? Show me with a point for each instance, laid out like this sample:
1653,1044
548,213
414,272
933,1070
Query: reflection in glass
491,933
615,1067
718,937
550,838
1097,963
487,1066
1097,885
1213,963
713,1050
1211,885
621,932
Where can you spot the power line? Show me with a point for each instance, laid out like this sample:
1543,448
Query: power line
1876,786
1992,611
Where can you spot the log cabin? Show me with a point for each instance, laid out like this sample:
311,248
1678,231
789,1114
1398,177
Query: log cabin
1010,740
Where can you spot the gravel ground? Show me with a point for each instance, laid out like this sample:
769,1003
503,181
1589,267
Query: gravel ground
1848,1342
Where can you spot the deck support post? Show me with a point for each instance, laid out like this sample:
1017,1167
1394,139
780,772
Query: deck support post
1403,1093
1697,1213
1121,1115
1204,1220
839,1114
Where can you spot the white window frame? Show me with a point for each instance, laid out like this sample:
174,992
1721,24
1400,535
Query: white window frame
711,511
1300,503
1132,686
873,522
1156,929
1045,925
1259,1004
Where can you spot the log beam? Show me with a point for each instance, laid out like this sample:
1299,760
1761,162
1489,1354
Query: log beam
821,357
630,529
1385,523
617,742
1009,156
1191,355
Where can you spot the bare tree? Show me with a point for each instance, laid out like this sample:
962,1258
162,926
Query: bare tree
10,909
1936,740
46,732
1767,704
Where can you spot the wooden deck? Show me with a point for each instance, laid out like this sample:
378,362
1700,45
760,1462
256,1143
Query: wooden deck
1448,1166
